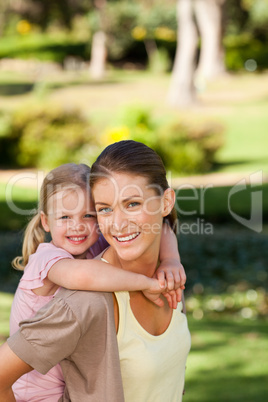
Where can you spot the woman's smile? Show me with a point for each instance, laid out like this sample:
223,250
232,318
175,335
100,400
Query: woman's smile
130,216
126,238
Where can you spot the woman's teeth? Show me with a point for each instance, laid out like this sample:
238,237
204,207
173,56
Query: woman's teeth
126,238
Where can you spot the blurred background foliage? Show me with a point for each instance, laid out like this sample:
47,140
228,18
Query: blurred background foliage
54,30
46,135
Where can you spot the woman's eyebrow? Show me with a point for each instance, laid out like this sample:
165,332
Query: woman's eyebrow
132,196
100,203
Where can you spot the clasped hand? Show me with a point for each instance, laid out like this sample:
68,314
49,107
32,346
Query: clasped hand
169,281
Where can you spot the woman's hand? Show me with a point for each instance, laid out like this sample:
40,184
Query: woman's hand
154,291
159,287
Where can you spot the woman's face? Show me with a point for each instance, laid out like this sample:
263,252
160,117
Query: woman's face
130,214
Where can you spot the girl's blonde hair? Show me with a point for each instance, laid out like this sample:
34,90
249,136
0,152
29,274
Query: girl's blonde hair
65,175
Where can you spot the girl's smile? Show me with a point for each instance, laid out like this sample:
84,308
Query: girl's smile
71,221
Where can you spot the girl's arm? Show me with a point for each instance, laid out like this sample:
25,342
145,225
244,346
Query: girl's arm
12,368
96,275
171,270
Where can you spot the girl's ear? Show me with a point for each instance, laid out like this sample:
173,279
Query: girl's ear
44,221
168,201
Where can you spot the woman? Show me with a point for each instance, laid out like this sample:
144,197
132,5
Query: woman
132,199
88,353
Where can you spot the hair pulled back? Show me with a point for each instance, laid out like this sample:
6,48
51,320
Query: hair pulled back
135,158
64,176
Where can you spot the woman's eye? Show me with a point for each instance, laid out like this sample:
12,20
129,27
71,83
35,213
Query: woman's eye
105,210
133,204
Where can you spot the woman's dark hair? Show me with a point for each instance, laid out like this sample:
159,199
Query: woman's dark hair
137,159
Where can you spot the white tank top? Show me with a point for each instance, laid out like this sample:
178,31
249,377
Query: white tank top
152,367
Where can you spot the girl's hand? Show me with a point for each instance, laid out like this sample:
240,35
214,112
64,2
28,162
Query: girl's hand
171,272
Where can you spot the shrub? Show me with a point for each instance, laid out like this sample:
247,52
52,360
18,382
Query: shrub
239,49
47,135
183,148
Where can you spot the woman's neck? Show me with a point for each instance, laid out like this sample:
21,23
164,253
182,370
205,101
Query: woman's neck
146,265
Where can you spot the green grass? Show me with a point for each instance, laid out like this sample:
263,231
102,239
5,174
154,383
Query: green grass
227,362
210,204
239,102
5,305
246,144
20,200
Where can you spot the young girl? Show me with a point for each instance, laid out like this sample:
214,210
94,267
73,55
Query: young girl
67,212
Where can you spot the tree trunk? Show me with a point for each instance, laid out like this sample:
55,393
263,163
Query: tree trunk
181,90
209,20
98,49
3,11
98,55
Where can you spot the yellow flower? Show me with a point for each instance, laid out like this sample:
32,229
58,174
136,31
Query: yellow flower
115,134
138,33
165,33
23,27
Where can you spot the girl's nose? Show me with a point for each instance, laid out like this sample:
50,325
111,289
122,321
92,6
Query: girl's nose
76,225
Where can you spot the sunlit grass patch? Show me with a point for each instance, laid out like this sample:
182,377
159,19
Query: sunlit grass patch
227,361
5,303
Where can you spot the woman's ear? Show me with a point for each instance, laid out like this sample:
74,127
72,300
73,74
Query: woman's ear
44,221
169,199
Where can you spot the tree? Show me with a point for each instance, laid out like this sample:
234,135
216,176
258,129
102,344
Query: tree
181,87
203,17
98,48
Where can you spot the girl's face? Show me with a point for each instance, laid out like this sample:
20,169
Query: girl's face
130,214
71,221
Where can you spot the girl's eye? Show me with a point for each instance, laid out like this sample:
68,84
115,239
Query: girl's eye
65,217
90,216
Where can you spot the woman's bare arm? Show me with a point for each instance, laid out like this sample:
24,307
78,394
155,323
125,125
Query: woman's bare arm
11,368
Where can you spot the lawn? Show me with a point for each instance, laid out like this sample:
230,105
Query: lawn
239,102
226,363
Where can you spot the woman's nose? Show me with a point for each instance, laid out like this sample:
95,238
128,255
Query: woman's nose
120,220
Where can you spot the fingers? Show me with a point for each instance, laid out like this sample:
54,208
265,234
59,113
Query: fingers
171,297
161,279
178,295
170,280
159,302
182,275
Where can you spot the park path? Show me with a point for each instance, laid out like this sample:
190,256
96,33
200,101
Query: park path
30,178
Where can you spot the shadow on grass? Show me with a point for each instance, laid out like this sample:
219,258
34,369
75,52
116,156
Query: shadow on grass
227,361
227,324
222,386
13,88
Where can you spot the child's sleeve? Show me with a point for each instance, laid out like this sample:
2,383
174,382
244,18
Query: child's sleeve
39,265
